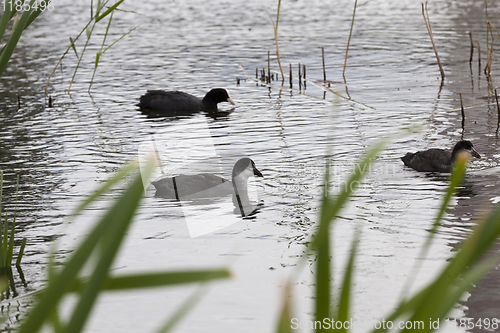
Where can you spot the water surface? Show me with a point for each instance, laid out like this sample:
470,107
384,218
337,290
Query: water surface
62,153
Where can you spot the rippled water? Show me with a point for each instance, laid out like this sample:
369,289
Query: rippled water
62,153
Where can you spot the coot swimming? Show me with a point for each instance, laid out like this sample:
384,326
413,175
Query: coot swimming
206,185
437,160
174,102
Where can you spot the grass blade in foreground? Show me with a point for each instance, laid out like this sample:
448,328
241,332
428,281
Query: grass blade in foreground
184,309
60,282
456,178
102,245
435,301
285,319
329,210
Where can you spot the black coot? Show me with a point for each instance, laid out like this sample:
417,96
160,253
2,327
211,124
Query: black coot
437,160
178,102
206,185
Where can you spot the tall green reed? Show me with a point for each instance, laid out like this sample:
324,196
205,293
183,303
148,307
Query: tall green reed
97,14
6,240
20,21
275,29
434,301
98,251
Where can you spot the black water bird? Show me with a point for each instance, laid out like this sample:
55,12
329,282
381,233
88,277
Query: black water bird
206,185
438,160
180,103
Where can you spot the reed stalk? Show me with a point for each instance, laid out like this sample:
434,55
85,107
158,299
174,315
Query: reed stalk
427,20
275,28
349,39
96,16
6,239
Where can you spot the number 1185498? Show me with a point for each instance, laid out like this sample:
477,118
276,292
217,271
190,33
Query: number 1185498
470,323
26,5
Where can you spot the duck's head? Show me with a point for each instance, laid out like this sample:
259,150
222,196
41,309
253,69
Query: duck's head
465,146
245,168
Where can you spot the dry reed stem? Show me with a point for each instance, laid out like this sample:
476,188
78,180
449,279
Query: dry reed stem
489,52
276,41
349,39
429,30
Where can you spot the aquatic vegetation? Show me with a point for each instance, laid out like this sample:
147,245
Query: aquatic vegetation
12,9
6,240
429,305
426,307
97,14
98,250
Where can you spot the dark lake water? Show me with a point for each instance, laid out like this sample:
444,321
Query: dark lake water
393,83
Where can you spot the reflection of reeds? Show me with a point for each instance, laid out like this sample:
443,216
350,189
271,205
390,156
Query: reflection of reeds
471,48
463,115
479,55
498,111
429,30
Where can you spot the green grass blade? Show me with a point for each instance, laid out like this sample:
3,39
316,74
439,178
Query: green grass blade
4,21
64,279
14,38
117,177
10,249
329,210
183,309
1,189
345,294
5,241
466,283
164,279
149,280
21,252
323,268
323,286
35,13
285,319
109,10
455,180
73,46
438,298
98,55
334,206
118,219
125,34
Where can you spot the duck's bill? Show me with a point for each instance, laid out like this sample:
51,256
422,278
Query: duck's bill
230,100
257,173
474,153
